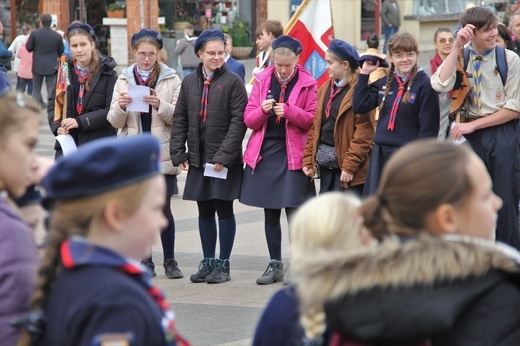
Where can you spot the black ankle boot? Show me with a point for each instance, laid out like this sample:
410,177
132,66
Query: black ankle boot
206,266
273,273
220,274
171,269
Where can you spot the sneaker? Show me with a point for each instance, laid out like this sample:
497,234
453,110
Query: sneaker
206,266
220,274
273,273
151,268
171,269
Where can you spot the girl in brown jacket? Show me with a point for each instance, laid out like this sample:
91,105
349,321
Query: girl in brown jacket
339,141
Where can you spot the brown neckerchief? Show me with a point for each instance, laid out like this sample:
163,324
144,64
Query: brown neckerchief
460,89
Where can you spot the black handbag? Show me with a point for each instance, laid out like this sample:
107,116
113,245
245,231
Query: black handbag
326,156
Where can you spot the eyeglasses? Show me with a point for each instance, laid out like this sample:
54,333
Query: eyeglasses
213,54
449,40
143,56
408,56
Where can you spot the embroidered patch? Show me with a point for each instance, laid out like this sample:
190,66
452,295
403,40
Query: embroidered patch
412,98
113,339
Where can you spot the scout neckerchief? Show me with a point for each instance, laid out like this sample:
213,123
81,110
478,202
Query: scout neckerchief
78,252
335,88
205,92
477,74
283,87
138,75
397,101
82,74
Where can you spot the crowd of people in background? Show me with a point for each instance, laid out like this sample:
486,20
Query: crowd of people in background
440,220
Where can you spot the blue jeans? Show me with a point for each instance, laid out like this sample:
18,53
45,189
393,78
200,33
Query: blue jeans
389,32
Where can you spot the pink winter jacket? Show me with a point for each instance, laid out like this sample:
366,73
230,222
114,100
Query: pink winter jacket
299,114
26,61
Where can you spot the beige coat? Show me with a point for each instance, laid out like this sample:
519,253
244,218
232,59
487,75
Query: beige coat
128,123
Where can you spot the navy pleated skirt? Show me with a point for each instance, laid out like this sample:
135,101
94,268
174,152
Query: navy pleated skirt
272,185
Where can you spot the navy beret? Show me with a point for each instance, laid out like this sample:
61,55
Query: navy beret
373,59
289,42
345,52
208,35
102,165
82,26
154,35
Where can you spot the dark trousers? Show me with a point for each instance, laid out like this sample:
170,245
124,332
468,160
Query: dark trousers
499,148
50,82
389,32
23,84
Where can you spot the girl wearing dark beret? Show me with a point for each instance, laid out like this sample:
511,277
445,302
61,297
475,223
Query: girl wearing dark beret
84,86
280,112
164,86
209,122
105,214
340,140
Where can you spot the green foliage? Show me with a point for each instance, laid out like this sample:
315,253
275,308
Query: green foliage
240,33
117,5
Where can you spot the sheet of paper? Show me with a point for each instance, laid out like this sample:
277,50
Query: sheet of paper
209,171
460,140
137,92
68,146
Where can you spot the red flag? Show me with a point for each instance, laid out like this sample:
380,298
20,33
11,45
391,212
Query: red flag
312,26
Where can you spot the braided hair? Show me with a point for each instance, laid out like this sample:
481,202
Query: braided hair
156,69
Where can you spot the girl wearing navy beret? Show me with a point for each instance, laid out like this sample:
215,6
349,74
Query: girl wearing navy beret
280,112
106,204
19,125
164,86
88,93
340,140
209,122
408,105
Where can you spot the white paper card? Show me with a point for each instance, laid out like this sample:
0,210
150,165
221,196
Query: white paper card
209,171
68,146
460,140
137,93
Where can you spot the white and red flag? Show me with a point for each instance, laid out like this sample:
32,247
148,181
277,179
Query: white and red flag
312,25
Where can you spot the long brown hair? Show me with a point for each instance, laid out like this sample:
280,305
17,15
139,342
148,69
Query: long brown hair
417,179
93,65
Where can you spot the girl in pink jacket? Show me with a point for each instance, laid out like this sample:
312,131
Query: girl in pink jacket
280,112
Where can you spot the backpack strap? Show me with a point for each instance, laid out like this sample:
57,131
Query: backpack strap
501,63
501,60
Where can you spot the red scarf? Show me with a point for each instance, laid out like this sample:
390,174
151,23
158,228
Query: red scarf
283,88
332,94
82,75
434,64
204,100
397,101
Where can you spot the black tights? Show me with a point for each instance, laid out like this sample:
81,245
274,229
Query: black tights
273,231
208,227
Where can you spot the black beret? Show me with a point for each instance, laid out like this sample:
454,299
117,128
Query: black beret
102,165
82,26
345,52
288,42
155,35
373,59
208,35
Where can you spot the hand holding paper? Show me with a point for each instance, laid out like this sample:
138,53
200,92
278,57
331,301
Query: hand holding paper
137,93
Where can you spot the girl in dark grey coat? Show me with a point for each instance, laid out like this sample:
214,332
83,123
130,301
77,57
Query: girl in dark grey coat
209,118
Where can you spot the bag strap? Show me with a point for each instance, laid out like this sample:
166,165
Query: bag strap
501,60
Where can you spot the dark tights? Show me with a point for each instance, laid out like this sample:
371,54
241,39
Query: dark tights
208,227
273,231
167,234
